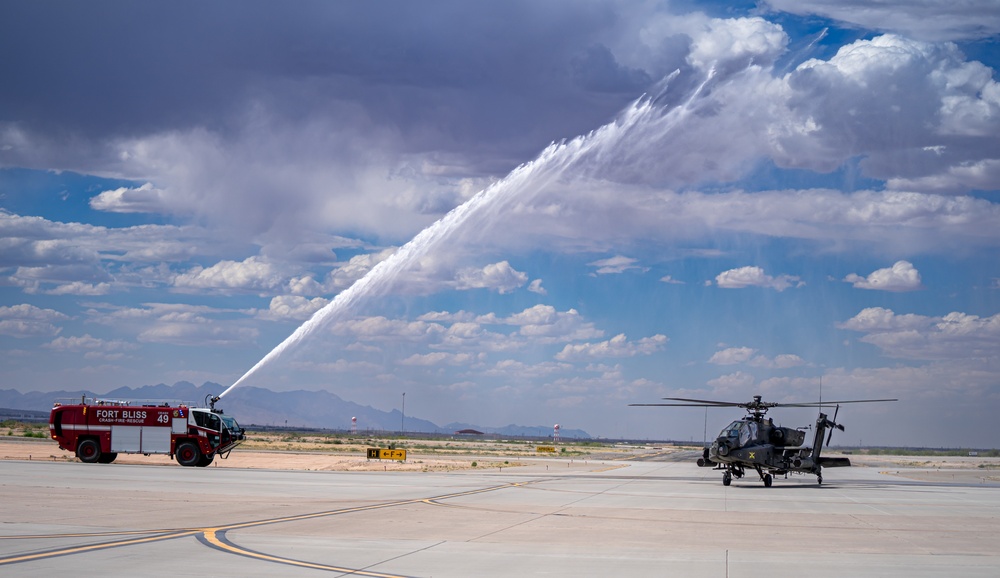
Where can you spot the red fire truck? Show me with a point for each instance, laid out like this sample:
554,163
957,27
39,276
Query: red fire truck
98,430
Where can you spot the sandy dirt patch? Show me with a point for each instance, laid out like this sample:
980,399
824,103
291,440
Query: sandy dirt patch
46,450
319,455
957,469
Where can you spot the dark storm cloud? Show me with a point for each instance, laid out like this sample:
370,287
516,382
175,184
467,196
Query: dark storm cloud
444,73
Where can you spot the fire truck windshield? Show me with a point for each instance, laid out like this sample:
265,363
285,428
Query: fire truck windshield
231,424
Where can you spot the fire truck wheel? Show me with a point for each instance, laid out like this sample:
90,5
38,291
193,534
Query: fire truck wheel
188,454
89,451
205,460
107,458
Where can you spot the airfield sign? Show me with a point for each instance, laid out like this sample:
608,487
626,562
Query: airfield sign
383,454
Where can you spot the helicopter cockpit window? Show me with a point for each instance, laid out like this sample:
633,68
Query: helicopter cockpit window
748,433
732,430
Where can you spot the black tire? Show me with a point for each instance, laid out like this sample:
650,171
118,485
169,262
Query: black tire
107,458
205,460
188,454
89,451
768,480
727,479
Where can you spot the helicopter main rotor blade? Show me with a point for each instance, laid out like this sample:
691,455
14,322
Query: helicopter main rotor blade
756,406
705,402
824,403
679,405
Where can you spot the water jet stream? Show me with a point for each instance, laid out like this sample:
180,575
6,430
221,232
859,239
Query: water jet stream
645,116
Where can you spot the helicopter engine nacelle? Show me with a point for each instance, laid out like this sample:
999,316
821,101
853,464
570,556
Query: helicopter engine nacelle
803,463
786,436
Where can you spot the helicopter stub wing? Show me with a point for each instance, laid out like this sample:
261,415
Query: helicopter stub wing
828,462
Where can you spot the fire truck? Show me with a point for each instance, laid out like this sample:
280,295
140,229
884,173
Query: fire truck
97,430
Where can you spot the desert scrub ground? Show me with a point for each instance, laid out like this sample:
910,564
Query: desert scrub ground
445,446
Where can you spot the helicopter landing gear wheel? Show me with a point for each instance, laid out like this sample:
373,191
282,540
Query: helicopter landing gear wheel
727,479
819,479
767,480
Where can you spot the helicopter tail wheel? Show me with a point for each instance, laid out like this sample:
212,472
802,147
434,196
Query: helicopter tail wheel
767,480
727,479
819,479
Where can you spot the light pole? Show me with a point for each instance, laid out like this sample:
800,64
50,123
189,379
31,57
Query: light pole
402,416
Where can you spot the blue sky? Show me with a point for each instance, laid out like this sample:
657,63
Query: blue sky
787,194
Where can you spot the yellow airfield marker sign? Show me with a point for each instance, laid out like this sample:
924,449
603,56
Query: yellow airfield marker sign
381,454
546,449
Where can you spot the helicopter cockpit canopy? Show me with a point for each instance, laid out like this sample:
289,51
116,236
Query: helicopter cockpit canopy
745,431
732,430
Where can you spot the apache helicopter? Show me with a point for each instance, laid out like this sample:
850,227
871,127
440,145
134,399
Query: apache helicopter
755,442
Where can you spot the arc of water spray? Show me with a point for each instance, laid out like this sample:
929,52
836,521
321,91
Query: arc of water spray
550,164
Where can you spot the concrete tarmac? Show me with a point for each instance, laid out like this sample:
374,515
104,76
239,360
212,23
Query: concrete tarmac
550,518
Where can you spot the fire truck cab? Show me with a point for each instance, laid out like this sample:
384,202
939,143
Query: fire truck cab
98,430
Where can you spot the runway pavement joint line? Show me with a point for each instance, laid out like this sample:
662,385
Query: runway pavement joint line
608,469
94,547
203,532
98,534
216,538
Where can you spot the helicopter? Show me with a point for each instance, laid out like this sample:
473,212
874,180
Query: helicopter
756,443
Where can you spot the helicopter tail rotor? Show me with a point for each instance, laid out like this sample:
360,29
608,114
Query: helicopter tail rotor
833,425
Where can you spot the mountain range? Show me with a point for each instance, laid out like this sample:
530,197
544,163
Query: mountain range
263,407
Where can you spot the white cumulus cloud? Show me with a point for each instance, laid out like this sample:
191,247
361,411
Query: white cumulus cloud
500,277
924,19
27,320
284,307
732,356
781,361
902,276
615,265
755,277
547,325
954,336
251,274
536,287
617,346
737,41
143,199
92,347
441,358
